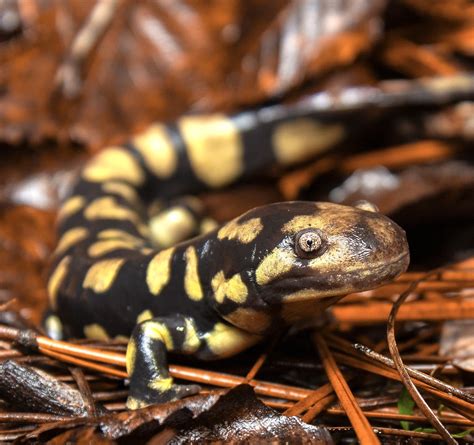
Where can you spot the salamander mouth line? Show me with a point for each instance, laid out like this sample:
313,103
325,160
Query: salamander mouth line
309,293
378,266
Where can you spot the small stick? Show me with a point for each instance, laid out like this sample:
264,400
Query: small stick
315,397
12,417
181,372
261,360
363,314
85,391
412,418
465,408
360,423
432,381
405,376
68,77
318,407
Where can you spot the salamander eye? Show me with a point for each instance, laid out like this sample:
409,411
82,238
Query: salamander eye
310,243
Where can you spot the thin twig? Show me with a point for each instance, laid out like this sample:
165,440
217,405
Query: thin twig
318,407
360,423
315,397
180,372
406,379
85,391
262,358
463,407
411,418
68,76
348,347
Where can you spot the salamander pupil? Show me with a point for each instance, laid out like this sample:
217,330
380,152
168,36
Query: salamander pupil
309,242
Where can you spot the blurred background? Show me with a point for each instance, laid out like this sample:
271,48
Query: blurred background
396,77
78,74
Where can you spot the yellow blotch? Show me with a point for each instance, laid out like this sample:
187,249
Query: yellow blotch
101,275
130,357
161,384
134,404
234,289
158,331
217,284
54,327
249,319
96,332
114,163
300,139
208,225
172,226
158,271
144,316
106,246
225,341
124,190
71,237
119,235
244,232
192,284
71,206
300,222
191,341
275,264
108,208
214,148
56,279
157,150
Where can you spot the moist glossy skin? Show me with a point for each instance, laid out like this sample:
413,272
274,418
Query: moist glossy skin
115,274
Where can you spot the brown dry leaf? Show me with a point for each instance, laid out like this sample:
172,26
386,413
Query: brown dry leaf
457,342
415,194
456,10
26,388
203,55
26,243
239,417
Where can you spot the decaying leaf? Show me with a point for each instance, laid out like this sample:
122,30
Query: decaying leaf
138,55
28,389
457,342
239,417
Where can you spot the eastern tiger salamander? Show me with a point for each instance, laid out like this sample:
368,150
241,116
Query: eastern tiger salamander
123,266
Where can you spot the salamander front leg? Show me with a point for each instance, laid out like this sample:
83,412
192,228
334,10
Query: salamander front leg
147,363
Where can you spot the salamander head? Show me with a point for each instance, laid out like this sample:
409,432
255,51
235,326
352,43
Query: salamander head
308,251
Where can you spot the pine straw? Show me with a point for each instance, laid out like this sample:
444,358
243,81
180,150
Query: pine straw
450,287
